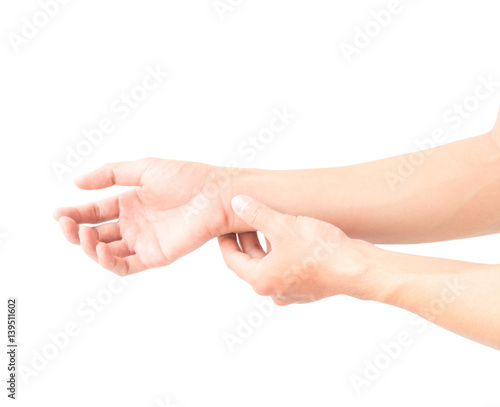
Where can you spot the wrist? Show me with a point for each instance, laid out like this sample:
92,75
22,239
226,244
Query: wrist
398,278
241,181
374,279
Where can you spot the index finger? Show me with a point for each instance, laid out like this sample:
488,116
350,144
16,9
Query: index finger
241,263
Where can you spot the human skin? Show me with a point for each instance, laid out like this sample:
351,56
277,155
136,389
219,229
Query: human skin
177,206
311,260
453,194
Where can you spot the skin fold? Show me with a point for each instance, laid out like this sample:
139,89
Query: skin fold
320,226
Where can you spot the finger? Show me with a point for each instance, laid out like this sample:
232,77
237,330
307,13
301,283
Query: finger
257,215
118,265
93,212
88,242
120,249
126,173
281,301
107,232
250,245
241,263
70,229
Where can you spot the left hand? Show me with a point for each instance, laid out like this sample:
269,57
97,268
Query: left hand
175,207
307,259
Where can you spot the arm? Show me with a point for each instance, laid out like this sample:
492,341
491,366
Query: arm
459,296
454,193
177,206
311,260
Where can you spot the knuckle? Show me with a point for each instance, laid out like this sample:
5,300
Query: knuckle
294,222
299,223
281,226
109,172
284,225
97,211
255,214
108,167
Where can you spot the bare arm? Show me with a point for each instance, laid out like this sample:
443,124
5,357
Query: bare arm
454,193
459,296
311,260
178,206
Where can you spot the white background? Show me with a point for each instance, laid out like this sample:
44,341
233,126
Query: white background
162,336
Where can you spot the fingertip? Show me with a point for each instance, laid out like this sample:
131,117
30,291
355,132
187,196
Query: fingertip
65,220
81,181
88,242
98,179
104,256
70,229
56,213
64,212
90,236
239,202
62,224
82,234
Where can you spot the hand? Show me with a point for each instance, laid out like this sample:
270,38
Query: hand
306,260
175,208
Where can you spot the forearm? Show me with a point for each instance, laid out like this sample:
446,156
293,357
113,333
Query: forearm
459,296
453,193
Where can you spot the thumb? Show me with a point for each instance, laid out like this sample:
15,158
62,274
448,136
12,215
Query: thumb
256,214
126,173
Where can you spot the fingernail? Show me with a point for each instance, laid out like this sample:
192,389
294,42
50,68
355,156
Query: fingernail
240,202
